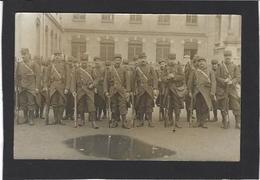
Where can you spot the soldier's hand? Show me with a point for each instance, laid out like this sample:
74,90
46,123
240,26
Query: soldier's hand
229,82
74,94
127,95
91,86
106,94
37,91
171,75
45,89
66,91
190,94
155,92
95,90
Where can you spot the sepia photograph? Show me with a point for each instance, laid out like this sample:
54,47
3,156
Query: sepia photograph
148,87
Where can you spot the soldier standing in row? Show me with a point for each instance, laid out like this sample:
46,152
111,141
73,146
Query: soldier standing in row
100,100
83,88
71,61
117,86
57,85
215,65
161,74
202,87
188,69
146,87
175,90
228,77
28,82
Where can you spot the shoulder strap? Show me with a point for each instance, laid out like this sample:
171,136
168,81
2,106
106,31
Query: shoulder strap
56,71
27,67
116,73
138,68
86,72
203,73
226,69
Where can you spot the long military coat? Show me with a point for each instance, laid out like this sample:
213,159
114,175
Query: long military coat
117,80
204,82
82,78
223,72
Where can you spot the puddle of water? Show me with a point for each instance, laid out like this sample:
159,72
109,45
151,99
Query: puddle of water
118,147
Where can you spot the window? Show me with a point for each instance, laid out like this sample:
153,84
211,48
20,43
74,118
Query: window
135,47
107,18
162,50
107,49
135,19
191,19
79,17
164,19
191,49
218,28
78,46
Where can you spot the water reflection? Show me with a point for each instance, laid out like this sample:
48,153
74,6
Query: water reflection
117,147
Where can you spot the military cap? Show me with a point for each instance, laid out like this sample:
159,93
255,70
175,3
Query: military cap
24,51
161,61
214,61
84,57
135,58
107,63
199,58
96,58
57,52
172,56
125,61
70,59
142,55
227,53
117,56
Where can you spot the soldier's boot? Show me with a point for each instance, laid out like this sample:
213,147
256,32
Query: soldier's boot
150,117
215,113
237,118
60,115
225,123
82,119
124,122
140,119
188,115
56,114
177,118
92,116
170,115
25,114
31,117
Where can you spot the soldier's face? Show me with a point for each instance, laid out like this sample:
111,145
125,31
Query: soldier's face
83,65
228,59
214,66
117,62
143,61
202,64
26,57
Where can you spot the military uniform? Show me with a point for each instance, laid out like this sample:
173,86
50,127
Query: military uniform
188,69
228,77
161,75
176,89
146,87
28,83
117,86
69,106
57,85
215,66
202,85
100,100
84,87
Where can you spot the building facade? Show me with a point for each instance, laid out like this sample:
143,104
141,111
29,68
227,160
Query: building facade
129,34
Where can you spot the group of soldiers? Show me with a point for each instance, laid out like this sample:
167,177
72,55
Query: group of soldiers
108,89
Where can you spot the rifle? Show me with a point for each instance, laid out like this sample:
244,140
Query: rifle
192,119
108,112
226,123
75,112
166,107
47,107
133,110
